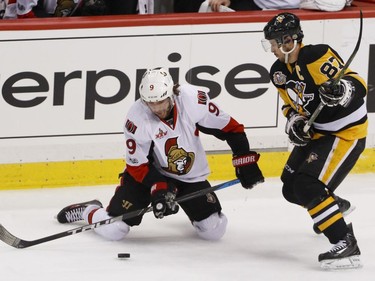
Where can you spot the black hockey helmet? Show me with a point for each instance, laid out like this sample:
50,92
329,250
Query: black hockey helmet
282,25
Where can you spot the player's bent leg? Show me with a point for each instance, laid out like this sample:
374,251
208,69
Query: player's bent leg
327,216
288,194
211,228
308,189
114,231
345,208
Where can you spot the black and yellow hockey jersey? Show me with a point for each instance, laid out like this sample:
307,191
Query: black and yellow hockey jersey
298,85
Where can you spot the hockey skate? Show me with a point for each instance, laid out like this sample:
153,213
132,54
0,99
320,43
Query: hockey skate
345,208
73,213
344,255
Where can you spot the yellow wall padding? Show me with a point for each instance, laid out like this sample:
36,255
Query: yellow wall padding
105,172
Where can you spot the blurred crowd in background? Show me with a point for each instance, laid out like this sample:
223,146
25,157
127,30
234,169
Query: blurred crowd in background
22,9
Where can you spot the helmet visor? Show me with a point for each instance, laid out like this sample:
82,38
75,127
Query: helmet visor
268,45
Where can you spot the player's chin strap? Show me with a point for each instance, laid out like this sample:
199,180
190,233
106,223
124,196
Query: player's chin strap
286,53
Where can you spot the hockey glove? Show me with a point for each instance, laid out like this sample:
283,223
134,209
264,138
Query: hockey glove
247,170
163,200
332,94
294,129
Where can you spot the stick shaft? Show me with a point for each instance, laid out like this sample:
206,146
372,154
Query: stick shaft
339,76
19,243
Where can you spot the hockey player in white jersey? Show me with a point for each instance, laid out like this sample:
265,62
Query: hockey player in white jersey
165,159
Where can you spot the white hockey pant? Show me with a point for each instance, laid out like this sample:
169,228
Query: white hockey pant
114,231
211,228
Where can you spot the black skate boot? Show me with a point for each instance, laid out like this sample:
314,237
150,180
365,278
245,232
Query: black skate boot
345,254
345,208
73,213
344,205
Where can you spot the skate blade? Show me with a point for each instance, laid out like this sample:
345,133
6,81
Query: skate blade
339,264
348,211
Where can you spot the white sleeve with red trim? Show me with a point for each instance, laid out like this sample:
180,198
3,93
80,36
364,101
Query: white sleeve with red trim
205,112
137,140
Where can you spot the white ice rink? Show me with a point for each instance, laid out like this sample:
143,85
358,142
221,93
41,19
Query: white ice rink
267,239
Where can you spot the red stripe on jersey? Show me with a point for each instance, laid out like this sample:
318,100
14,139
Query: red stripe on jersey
234,127
138,172
202,97
158,186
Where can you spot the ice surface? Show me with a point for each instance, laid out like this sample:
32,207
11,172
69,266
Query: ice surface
267,239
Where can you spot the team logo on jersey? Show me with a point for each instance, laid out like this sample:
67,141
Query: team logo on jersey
289,169
133,160
296,92
279,78
130,126
179,160
312,157
161,134
202,97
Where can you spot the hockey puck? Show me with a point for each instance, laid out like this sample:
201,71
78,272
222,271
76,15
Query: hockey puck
123,255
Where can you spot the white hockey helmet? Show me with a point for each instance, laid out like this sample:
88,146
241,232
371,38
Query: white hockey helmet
156,85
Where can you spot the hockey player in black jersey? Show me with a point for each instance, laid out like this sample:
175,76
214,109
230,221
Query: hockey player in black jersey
324,155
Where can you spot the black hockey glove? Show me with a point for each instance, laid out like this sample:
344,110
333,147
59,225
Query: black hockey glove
336,94
294,129
163,201
247,170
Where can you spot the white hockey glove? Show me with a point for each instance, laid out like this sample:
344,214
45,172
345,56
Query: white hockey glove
340,94
294,129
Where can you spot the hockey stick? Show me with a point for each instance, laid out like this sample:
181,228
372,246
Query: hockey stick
317,111
19,243
75,8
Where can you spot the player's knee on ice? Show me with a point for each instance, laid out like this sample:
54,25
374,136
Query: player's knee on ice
211,228
114,231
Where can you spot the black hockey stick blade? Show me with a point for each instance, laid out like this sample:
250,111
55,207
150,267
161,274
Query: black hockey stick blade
19,243
339,76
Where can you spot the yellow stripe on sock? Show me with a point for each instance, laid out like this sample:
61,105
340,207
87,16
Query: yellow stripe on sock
329,222
321,206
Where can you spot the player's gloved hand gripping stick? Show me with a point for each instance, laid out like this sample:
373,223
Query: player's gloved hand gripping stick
327,92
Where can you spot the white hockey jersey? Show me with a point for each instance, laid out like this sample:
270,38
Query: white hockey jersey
176,148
